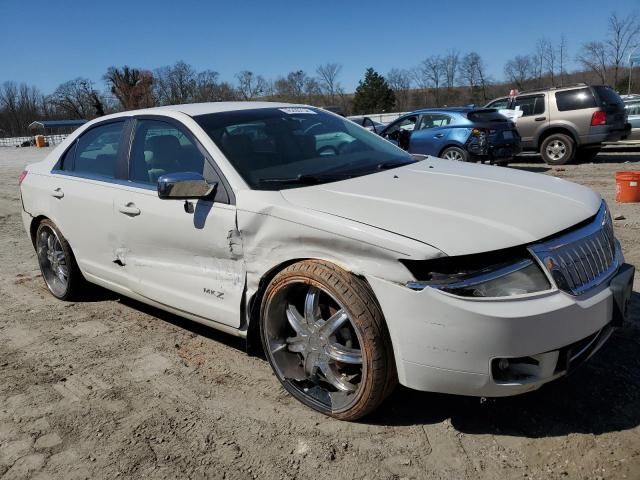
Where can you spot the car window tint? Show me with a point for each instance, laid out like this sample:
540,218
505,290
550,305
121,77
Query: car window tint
499,104
96,152
160,148
434,120
66,161
575,99
531,105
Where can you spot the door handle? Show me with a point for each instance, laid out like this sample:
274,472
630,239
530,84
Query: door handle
438,135
540,119
129,209
57,193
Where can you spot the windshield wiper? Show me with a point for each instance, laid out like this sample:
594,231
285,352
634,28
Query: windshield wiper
308,179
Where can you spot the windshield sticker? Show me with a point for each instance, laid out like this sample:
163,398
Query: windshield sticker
292,110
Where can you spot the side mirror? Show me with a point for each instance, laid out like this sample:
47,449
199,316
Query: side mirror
184,186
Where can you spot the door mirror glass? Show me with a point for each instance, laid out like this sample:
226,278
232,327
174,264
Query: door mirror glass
184,186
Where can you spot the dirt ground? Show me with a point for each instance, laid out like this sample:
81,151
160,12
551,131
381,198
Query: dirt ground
110,388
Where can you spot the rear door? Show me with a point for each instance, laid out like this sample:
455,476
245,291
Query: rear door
633,117
431,134
183,254
534,117
83,186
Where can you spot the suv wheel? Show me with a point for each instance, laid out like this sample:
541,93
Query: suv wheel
325,338
557,149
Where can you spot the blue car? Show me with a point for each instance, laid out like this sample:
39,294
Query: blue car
462,134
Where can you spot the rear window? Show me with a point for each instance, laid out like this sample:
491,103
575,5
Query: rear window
486,116
607,96
575,99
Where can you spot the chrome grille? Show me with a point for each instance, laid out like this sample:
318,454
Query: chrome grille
583,258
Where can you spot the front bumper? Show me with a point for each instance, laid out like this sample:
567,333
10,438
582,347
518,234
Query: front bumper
443,343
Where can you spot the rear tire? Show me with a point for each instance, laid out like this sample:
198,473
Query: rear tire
456,154
346,370
558,149
57,263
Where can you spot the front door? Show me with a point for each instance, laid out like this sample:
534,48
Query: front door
181,254
534,118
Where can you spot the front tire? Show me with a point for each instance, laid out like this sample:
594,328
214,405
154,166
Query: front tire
557,149
57,263
325,338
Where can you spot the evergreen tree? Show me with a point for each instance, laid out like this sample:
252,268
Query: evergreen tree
373,94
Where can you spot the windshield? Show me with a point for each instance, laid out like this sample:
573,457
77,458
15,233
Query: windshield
276,148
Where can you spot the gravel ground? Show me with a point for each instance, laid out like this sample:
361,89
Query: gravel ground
111,388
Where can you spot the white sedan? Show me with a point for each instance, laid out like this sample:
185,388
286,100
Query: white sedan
356,265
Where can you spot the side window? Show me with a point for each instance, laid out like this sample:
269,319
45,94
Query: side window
66,162
407,124
633,109
160,148
434,120
96,151
501,104
575,99
531,105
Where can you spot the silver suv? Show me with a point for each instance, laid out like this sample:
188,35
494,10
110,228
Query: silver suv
559,122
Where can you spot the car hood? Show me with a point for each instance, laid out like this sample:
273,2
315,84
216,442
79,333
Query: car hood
456,207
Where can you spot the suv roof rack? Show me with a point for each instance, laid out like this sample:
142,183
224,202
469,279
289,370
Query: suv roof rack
571,85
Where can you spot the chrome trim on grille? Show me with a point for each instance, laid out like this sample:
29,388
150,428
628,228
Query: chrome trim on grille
581,259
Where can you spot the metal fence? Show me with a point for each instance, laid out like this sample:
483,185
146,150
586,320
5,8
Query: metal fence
17,141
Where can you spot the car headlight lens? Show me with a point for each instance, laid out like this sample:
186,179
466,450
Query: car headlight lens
505,280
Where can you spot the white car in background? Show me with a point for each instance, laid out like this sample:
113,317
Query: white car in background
357,266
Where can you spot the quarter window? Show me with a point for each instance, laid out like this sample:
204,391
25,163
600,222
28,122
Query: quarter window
96,151
531,105
160,148
575,99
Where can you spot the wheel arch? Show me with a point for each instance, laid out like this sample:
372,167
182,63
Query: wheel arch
33,227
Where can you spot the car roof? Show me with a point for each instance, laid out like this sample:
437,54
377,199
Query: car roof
194,109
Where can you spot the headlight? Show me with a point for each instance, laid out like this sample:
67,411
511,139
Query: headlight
521,277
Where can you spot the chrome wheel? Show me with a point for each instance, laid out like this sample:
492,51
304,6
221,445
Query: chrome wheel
52,260
453,155
314,346
556,150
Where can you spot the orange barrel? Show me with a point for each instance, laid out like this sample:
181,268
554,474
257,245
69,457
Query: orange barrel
40,141
628,186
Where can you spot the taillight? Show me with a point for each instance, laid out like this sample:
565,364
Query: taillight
22,176
598,118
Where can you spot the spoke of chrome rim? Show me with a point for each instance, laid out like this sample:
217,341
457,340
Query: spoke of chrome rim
344,354
296,344
50,240
335,322
311,305
336,381
296,321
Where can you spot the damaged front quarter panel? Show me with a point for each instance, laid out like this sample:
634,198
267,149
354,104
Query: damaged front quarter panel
274,233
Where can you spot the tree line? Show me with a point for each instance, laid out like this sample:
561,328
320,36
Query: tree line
452,78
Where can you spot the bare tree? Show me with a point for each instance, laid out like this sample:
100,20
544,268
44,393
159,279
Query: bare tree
400,82
594,56
473,72
175,84
562,57
328,80
549,58
293,87
250,85
77,99
450,65
131,86
623,33
19,105
519,69
430,74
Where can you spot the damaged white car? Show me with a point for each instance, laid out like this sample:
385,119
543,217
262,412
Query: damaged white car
357,265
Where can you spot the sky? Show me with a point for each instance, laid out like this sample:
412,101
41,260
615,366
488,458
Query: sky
45,43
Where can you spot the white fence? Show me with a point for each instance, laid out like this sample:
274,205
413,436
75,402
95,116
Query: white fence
17,141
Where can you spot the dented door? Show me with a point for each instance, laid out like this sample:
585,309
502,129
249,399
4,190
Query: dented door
186,255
